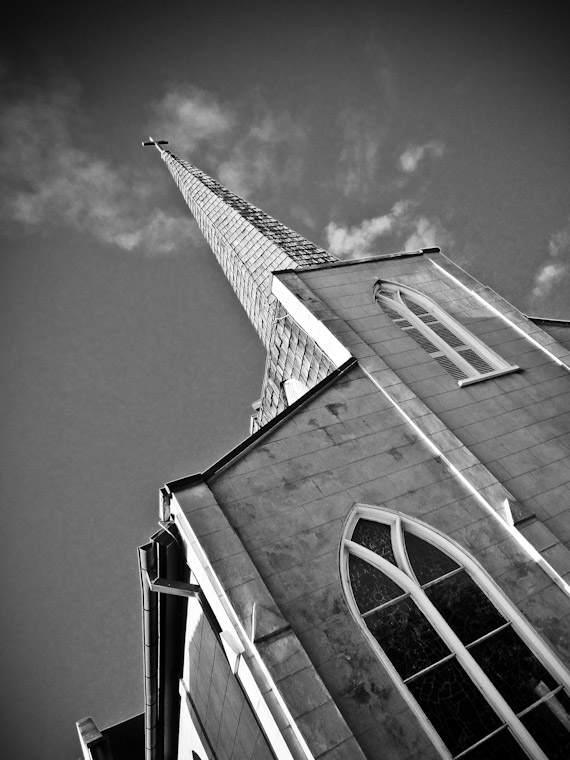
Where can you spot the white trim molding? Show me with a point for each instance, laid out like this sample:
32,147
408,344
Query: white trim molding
238,648
313,326
505,318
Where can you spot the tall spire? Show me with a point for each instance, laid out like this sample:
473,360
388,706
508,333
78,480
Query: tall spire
248,243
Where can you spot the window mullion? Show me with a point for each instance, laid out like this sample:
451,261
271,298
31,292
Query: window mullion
444,347
394,573
442,577
508,624
540,701
434,665
480,742
470,665
431,335
383,606
477,674
467,338
397,534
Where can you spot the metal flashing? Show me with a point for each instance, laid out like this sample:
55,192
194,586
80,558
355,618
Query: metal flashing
363,260
550,322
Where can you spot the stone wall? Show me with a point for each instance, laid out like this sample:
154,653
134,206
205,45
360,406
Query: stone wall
214,706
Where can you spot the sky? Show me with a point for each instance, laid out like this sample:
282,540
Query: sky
368,127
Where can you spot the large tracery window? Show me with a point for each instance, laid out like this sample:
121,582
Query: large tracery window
465,659
459,352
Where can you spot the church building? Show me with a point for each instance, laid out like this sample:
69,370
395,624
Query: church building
381,569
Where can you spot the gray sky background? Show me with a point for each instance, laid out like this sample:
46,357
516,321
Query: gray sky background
369,127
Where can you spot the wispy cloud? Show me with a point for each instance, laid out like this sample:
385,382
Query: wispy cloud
246,145
265,156
411,158
400,223
49,179
356,241
191,118
426,233
556,268
358,160
547,277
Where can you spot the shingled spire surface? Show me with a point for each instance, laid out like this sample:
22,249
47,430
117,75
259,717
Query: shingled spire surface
248,243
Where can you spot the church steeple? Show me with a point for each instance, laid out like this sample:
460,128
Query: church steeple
248,243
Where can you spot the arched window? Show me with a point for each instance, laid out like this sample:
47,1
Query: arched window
482,682
450,344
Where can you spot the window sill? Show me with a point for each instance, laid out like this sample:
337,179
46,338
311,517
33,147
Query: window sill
488,376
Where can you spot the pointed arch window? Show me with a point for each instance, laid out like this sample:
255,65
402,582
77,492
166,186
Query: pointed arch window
450,344
482,682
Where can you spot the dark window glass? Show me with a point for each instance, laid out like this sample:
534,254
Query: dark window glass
428,563
370,586
456,708
407,637
500,746
549,723
513,668
376,537
464,606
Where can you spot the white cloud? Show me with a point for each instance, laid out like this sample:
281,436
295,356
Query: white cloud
188,117
426,233
547,277
356,241
359,155
265,156
47,179
559,243
415,231
551,272
245,146
50,178
414,154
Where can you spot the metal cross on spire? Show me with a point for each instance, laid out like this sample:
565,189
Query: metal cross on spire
156,143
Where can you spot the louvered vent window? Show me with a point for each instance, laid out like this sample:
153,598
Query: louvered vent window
293,390
489,688
452,346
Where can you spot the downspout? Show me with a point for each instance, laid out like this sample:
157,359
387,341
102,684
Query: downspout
164,618
150,651
171,566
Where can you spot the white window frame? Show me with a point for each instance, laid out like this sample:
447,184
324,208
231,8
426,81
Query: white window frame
404,577
500,366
